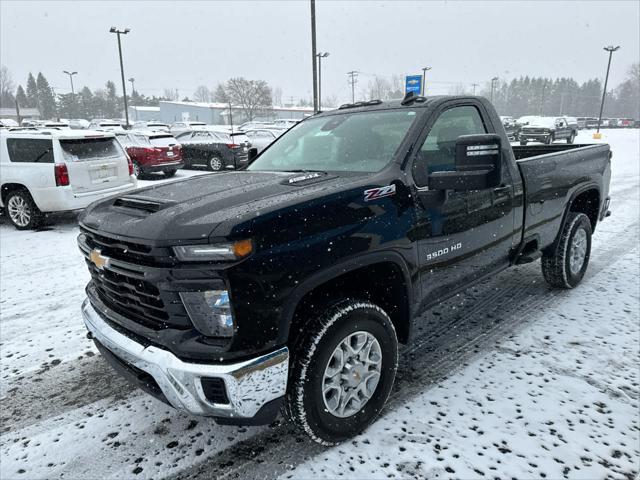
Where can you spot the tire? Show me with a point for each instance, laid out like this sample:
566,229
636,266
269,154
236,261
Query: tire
306,405
549,140
215,163
571,138
170,173
22,211
566,266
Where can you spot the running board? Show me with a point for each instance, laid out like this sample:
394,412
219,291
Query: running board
528,257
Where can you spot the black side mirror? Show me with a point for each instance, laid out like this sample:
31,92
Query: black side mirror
252,154
478,165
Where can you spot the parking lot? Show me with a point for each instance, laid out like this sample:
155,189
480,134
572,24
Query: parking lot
508,379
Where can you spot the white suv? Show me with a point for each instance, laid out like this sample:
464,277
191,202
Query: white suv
58,170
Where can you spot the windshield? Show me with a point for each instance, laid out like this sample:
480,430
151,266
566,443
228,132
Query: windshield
90,149
357,142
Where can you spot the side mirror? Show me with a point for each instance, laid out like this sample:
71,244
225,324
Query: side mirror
252,154
478,165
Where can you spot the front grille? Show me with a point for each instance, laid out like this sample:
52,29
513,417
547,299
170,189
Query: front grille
534,130
128,284
132,297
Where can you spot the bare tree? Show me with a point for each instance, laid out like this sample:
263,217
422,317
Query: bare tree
253,96
202,94
458,89
6,87
171,94
379,88
330,101
277,96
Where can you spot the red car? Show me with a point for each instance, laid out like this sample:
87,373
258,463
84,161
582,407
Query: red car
152,152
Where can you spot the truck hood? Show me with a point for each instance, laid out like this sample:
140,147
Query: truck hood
196,208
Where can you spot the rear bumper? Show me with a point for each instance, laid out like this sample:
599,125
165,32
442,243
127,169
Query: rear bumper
60,199
161,167
252,386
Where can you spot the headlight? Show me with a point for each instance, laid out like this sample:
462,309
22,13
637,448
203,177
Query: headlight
217,252
210,312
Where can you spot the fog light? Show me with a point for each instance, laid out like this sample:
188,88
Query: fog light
210,312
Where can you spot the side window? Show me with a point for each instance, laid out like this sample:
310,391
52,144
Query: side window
31,150
438,152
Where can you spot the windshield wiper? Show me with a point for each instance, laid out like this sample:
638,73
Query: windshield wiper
305,170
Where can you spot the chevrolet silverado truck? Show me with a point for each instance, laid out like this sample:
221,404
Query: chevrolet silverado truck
288,285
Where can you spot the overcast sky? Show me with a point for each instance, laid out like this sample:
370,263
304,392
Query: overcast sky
185,44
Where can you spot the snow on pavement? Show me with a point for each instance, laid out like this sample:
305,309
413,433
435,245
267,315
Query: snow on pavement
64,413
558,400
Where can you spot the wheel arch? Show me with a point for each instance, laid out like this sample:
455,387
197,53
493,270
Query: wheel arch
382,278
9,187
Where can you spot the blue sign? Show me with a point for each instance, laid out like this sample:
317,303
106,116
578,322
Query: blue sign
413,83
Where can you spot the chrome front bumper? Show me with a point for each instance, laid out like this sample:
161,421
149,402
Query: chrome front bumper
250,384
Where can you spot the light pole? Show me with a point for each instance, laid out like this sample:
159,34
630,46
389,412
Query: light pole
609,49
320,56
474,85
133,92
124,86
424,76
73,93
313,55
353,79
493,82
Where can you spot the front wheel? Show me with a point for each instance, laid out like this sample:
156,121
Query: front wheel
549,140
170,173
137,171
342,372
571,138
567,264
22,211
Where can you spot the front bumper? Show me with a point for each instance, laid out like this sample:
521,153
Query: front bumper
534,137
250,385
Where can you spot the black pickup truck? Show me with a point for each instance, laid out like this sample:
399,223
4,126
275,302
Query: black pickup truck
289,284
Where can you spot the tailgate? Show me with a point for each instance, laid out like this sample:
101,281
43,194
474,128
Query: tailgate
94,163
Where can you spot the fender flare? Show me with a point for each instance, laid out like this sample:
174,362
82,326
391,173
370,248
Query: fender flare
337,270
580,190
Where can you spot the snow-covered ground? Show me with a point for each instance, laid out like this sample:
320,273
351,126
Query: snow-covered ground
510,379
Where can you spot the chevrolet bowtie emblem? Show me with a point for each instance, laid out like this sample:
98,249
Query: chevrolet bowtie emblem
99,260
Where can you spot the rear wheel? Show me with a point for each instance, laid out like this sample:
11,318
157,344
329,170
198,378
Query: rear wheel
567,264
22,210
170,173
215,163
342,372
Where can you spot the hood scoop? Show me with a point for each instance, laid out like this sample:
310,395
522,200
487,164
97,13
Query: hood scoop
142,203
307,178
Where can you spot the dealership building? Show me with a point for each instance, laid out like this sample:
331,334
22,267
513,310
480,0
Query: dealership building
211,113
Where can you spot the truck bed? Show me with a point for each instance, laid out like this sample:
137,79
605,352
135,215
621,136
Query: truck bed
553,175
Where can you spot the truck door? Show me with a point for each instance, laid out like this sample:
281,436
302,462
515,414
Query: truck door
460,235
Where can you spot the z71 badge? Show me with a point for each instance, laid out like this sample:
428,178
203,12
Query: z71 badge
374,193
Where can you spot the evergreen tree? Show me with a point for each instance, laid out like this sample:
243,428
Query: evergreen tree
21,97
46,98
112,105
32,92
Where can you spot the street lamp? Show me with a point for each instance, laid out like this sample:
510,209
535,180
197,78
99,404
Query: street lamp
73,93
320,56
424,76
124,87
609,49
493,82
